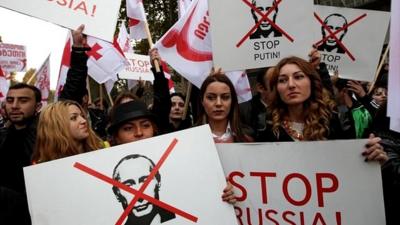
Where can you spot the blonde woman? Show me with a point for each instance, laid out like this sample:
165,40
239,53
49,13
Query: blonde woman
63,131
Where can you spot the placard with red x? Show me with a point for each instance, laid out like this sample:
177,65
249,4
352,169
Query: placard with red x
173,178
350,40
333,34
264,17
259,33
140,193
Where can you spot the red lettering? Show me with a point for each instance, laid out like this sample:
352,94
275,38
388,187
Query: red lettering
318,217
284,216
321,190
307,188
62,2
237,185
81,6
263,178
239,213
338,218
267,214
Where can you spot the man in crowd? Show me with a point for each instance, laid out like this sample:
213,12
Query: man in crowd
23,103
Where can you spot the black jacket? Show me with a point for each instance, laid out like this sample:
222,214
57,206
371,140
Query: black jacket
161,101
16,148
335,132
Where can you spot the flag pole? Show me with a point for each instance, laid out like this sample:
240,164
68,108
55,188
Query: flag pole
88,89
110,99
151,44
188,92
379,69
101,96
31,78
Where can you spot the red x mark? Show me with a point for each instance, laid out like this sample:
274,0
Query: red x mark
93,51
140,193
333,34
264,17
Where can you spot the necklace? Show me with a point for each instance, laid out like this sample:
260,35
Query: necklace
292,132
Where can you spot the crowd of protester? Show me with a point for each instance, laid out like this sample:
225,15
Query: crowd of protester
297,100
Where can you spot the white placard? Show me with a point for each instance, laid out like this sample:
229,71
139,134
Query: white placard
139,68
324,182
99,16
356,45
239,44
190,179
12,58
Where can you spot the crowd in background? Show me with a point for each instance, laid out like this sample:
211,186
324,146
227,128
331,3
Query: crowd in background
296,100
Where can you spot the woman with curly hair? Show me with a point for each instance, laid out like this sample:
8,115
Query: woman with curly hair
301,109
63,131
221,109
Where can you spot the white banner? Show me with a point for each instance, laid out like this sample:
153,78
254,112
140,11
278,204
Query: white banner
12,58
350,40
303,183
174,179
99,16
138,69
241,39
393,105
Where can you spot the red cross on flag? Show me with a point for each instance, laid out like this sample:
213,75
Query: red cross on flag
3,85
188,49
43,79
137,19
105,60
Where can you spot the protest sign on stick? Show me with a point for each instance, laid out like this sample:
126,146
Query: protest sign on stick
350,40
251,34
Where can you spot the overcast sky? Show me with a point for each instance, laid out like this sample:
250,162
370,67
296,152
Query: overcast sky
40,38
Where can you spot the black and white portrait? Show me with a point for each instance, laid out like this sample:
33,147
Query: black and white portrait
265,29
133,170
334,22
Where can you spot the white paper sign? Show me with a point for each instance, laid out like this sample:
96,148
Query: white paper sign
304,183
242,40
12,58
189,183
99,16
350,40
139,68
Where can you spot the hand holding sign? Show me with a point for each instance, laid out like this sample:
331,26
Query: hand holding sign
78,37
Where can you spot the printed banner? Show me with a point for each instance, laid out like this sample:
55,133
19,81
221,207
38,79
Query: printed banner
170,179
138,69
12,58
324,182
350,40
99,16
250,34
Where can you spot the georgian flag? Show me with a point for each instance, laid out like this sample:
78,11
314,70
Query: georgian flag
137,19
65,64
189,51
